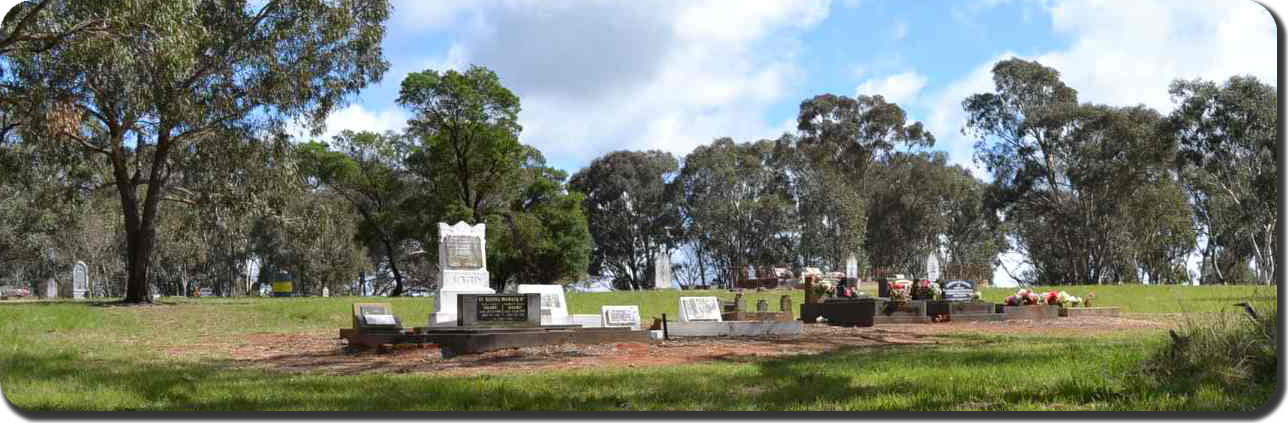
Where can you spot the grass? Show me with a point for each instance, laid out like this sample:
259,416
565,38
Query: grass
78,356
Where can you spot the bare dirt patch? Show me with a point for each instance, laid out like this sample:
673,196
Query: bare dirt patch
324,351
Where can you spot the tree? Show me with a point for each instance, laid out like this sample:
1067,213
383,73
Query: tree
1227,136
174,76
366,169
738,205
630,212
471,167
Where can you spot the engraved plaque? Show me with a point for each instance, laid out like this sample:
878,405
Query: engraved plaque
502,308
463,252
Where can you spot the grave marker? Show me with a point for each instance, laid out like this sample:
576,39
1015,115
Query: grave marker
553,302
958,290
662,272
504,310
80,280
621,316
693,309
462,263
851,267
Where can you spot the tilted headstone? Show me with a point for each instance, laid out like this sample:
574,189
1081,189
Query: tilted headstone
462,264
621,316
499,310
694,309
368,317
554,305
851,267
662,272
80,280
958,290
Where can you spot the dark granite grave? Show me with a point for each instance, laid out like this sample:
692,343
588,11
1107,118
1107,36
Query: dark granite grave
499,310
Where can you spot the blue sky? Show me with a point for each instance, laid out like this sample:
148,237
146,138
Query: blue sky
598,76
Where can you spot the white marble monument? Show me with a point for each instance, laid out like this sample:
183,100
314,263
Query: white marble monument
462,264
851,267
662,272
932,268
80,280
554,305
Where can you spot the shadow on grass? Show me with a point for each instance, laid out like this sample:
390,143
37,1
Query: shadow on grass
856,378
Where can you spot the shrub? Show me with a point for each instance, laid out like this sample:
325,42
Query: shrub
1233,351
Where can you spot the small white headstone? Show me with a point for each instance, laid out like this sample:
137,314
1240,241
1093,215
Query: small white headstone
932,267
553,302
51,288
621,316
694,309
326,292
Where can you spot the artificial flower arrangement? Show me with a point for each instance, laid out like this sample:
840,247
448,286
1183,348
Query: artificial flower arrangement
926,289
1025,297
824,288
900,291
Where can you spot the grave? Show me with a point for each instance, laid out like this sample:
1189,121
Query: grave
621,316
901,312
662,272
861,312
700,316
1031,312
1089,311
499,310
554,305
958,304
736,310
462,264
50,288
488,322
80,280
326,292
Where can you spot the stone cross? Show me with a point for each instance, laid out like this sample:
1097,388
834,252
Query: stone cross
462,264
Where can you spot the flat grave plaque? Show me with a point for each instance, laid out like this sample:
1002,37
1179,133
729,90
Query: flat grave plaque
694,309
621,316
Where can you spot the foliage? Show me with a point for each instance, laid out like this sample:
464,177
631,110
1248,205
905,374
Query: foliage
630,213
1232,351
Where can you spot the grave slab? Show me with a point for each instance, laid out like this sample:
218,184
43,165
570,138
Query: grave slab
621,316
696,309
554,305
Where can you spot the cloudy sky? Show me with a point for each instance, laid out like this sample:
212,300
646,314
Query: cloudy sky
597,76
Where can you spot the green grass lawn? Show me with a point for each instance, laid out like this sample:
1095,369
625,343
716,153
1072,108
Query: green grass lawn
77,356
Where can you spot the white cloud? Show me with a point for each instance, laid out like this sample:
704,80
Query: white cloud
600,76
354,118
901,88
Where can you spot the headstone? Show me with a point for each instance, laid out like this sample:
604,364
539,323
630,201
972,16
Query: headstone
554,305
958,290
662,272
621,316
932,268
751,272
326,292
851,267
369,317
785,303
762,305
51,288
499,310
462,264
694,309
80,280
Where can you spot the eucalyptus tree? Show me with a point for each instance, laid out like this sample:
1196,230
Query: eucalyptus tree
631,214
739,206
166,78
366,169
470,166
1227,135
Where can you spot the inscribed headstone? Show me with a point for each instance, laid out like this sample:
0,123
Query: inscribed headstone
932,267
958,290
504,310
462,264
326,292
694,309
621,316
553,302
51,288
851,267
80,280
662,272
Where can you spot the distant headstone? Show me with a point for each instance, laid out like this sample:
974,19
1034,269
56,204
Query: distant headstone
851,267
326,292
51,288
762,306
958,290
694,309
662,272
80,280
621,316
932,267
462,264
499,310
553,302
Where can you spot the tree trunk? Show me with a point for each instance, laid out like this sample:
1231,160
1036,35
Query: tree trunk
393,265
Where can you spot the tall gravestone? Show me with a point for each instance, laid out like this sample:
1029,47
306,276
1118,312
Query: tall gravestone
50,288
462,264
851,267
662,272
932,267
80,280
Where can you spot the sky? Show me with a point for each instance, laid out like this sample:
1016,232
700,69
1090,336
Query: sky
600,76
